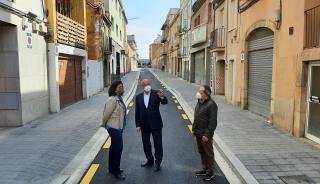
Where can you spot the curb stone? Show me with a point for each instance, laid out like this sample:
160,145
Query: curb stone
74,171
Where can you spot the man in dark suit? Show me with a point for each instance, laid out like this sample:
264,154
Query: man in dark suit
149,122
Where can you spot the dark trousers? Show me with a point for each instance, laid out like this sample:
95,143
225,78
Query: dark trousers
115,151
207,154
157,141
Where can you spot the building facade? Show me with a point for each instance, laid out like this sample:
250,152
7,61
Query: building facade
270,57
154,51
260,55
68,67
117,60
201,25
185,37
98,31
224,48
133,56
165,39
24,94
175,63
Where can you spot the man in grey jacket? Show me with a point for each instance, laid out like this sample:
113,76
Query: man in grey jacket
205,123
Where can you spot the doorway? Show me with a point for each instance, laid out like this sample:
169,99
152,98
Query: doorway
313,105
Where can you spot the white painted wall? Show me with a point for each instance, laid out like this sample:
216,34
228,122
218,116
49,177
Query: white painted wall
95,77
32,63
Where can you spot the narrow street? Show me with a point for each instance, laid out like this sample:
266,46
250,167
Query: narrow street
180,160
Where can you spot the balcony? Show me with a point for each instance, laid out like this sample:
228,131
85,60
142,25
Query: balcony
218,40
107,46
70,32
245,4
182,52
312,28
176,41
163,51
199,35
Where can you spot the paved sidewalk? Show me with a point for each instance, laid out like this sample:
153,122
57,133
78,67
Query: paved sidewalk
40,150
266,152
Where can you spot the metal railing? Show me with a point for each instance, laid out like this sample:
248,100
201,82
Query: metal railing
312,28
199,34
218,38
70,32
107,45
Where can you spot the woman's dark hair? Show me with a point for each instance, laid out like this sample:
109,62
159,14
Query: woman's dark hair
113,87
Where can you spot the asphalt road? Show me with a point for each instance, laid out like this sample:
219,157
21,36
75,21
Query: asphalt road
180,159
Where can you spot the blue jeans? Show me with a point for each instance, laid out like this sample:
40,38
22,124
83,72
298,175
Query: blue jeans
115,151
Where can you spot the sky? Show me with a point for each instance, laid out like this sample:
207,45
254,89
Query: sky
151,15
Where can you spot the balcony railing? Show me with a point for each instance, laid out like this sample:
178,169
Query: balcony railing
163,51
218,38
199,34
107,46
70,32
312,28
182,52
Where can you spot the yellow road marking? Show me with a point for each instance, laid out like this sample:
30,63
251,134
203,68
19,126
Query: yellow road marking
190,128
179,107
88,177
184,116
107,144
175,101
131,104
173,97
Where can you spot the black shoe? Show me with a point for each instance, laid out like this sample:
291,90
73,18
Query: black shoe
147,164
201,172
208,177
157,168
120,176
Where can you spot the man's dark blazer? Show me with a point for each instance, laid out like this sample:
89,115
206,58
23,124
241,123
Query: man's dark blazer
149,118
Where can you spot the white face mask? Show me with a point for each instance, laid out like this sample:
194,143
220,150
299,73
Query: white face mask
147,89
198,96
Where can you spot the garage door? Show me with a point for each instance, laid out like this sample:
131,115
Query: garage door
260,71
200,73
70,80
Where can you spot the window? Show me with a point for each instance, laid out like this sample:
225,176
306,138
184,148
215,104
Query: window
64,8
117,30
221,18
112,20
232,17
120,35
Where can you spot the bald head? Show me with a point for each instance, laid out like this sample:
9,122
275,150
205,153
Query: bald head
145,82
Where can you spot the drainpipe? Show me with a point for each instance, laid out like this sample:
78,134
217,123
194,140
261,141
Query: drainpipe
279,21
45,16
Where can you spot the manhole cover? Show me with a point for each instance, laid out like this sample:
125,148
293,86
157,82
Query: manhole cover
300,179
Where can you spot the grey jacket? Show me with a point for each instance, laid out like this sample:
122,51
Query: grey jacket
205,118
113,114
